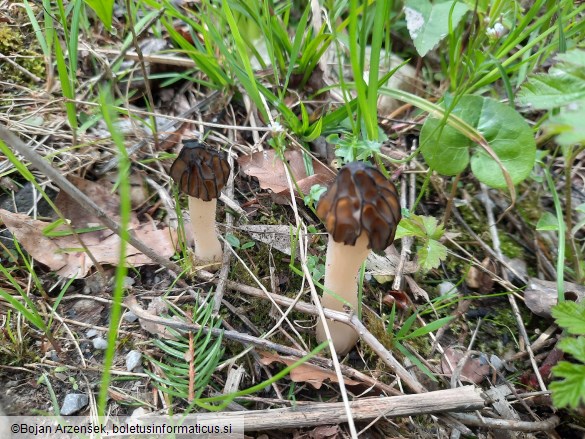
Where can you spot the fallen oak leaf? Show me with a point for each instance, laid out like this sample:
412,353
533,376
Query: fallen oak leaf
62,255
270,171
101,192
29,234
304,373
325,432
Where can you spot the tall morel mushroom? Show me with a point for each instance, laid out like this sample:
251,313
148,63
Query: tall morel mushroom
201,174
360,211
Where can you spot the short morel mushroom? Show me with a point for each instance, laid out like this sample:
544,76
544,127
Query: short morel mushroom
360,211
201,174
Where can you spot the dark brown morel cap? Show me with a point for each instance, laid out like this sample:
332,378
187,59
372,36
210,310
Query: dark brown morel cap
200,172
361,200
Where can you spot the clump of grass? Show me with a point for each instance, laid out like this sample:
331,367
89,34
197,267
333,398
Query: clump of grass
16,345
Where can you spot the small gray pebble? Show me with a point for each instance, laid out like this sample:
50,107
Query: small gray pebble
73,403
53,355
447,288
91,333
130,317
128,282
137,413
133,360
496,362
100,343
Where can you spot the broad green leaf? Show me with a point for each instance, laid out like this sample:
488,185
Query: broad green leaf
546,91
568,124
248,245
233,240
104,9
449,152
406,227
571,316
575,58
562,85
432,229
428,23
547,222
574,346
431,254
569,391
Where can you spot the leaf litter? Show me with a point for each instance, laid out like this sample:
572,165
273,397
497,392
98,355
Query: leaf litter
270,171
61,251
306,372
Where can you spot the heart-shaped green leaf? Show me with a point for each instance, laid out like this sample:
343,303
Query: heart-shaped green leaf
509,136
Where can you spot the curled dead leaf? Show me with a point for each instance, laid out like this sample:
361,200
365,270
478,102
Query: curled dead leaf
270,171
397,298
155,308
541,295
474,369
480,279
305,373
63,255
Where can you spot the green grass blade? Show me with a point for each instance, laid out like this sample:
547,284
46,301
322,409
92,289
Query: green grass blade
66,86
247,75
121,270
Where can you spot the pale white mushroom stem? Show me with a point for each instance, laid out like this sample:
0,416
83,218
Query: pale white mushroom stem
207,246
341,270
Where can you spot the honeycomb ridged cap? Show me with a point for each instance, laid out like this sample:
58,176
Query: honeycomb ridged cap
200,172
361,200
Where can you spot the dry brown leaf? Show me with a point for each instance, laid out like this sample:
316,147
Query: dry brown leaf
325,432
541,295
305,373
474,369
64,256
29,233
156,307
397,298
269,169
100,194
480,279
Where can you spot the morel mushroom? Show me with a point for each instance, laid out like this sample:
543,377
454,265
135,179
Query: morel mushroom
201,174
360,211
